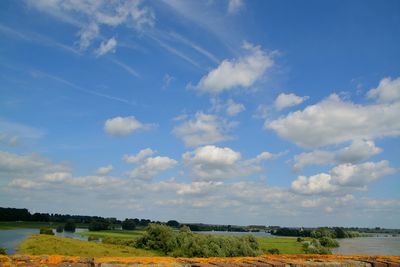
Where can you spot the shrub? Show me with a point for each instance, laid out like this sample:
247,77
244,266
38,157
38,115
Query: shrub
69,226
299,239
315,247
187,244
329,242
93,238
273,251
46,231
60,228
3,251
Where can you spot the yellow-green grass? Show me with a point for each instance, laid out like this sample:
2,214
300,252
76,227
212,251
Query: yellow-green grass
120,234
18,225
285,245
53,245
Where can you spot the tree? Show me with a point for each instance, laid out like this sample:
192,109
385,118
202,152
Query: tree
98,225
60,228
129,224
69,226
173,223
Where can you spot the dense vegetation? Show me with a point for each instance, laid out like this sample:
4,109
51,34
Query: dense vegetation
184,243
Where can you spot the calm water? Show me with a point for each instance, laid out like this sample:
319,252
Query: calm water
10,239
377,245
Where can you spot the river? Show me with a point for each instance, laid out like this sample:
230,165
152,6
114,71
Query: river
10,239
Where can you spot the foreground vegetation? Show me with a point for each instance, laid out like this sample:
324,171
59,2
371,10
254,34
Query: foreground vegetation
53,245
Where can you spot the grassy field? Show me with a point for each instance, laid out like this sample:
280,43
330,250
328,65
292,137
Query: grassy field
286,245
120,234
53,245
18,225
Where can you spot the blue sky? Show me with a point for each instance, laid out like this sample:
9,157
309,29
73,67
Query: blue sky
235,112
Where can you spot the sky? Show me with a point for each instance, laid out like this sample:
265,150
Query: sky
226,112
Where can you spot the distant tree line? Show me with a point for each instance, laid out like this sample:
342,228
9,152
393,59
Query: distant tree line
94,223
335,232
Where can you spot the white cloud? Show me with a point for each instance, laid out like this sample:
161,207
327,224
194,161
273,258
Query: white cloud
104,170
234,6
140,156
212,163
288,100
242,72
333,121
350,176
387,91
151,167
122,126
357,151
106,47
91,15
167,79
203,129
233,108
57,176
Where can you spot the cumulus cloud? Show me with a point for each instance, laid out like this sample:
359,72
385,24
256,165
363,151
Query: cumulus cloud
106,47
140,156
122,126
246,201
334,121
213,163
387,91
237,73
288,100
357,151
90,16
203,129
350,176
152,166
104,170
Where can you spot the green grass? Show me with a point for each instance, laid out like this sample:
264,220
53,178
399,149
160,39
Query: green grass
286,245
120,234
36,225
53,245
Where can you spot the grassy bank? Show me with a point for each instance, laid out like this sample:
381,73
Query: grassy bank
53,245
119,234
35,225
285,245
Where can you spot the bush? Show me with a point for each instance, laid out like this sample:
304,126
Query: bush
315,247
273,251
3,251
186,244
329,242
60,228
93,238
69,226
46,231
299,239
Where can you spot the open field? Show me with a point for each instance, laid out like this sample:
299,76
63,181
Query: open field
18,225
52,245
286,245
